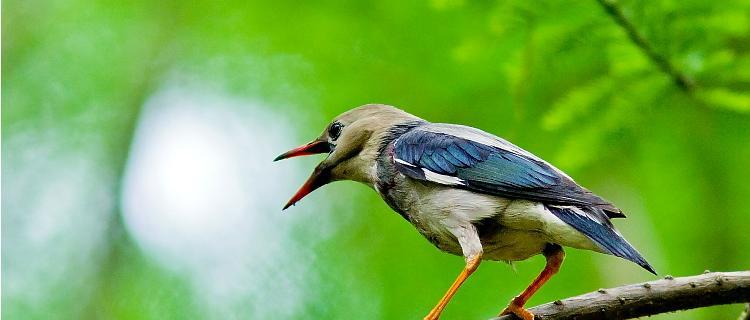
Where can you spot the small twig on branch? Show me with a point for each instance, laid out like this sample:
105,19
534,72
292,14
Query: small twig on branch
650,298
662,62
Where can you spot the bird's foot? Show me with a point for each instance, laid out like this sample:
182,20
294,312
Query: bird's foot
516,307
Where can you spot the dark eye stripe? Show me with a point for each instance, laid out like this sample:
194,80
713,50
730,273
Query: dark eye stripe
335,130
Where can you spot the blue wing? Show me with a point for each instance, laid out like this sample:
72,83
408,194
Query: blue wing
448,159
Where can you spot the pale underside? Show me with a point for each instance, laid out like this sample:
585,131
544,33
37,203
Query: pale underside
447,216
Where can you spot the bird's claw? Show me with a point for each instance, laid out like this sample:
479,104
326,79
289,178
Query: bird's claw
518,310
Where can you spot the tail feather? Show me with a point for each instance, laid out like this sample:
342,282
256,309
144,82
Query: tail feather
596,225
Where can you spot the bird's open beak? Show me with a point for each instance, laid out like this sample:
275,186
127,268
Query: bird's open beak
318,178
315,147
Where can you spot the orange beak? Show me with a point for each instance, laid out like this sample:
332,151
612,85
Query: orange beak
315,147
320,175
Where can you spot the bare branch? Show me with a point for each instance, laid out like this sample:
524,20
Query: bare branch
650,298
679,78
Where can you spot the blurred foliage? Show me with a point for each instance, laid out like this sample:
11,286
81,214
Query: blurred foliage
558,78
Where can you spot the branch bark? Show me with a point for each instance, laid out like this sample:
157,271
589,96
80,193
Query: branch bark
679,78
650,298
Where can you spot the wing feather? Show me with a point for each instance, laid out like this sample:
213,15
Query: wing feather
493,169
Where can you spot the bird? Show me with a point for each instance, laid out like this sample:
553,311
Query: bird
470,193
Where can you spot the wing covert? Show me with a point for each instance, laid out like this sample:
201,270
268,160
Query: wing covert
457,161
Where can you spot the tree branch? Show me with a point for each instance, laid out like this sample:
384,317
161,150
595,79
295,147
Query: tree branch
650,298
680,79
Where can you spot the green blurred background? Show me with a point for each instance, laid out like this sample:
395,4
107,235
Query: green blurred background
138,138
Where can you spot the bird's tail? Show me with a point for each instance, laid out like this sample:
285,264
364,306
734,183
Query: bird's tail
595,224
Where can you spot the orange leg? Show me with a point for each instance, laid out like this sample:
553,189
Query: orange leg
555,255
471,265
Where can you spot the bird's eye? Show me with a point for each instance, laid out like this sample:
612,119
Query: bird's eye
335,130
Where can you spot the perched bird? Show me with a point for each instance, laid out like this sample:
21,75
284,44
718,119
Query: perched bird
468,192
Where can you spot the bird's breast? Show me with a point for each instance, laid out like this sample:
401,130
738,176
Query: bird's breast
430,208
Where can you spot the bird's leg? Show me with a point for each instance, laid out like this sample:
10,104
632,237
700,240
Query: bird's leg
471,265
555,255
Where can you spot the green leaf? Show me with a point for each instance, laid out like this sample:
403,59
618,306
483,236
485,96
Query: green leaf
725,99
576,104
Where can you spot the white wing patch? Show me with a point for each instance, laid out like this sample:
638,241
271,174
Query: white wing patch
403,162
441,178
433,176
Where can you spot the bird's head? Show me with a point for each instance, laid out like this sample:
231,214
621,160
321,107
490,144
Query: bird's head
351,141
